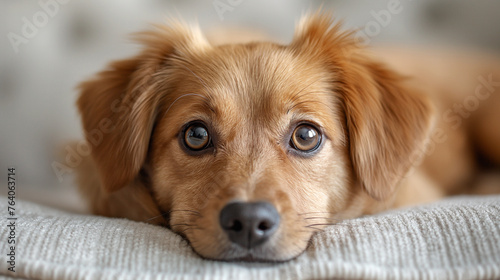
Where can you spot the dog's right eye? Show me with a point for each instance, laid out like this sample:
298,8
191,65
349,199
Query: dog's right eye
196,137
305,138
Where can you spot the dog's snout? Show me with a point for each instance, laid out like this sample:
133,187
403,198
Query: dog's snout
249,224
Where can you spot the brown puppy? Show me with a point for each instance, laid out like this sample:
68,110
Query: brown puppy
248,149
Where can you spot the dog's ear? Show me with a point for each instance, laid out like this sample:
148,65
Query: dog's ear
387,123
119,106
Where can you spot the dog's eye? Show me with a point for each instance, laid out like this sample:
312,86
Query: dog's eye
305,138
196,137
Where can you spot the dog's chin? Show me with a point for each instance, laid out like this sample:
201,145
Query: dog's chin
251,258
263,254
245,255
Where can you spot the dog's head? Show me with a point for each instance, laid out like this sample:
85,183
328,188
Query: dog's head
251,148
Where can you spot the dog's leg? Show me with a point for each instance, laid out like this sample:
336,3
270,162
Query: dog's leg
134,201
417,188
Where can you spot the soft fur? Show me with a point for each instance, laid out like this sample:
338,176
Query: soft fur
377,126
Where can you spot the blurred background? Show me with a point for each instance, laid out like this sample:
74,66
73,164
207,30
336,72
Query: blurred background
47,47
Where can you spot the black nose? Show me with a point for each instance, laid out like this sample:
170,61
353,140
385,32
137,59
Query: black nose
249,224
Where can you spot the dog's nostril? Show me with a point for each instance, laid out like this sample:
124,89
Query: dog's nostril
236,226
264,226
249,224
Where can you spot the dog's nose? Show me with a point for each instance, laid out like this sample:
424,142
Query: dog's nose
249,224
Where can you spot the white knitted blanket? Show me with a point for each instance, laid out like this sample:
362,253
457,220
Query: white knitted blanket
458,238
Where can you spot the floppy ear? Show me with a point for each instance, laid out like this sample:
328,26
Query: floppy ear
388,125
387,122
119,106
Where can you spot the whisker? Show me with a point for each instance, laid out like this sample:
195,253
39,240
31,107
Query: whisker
326,224
308,213
326,218
323,222
184,210
155,217
316,229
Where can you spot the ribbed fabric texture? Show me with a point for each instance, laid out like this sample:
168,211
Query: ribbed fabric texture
458,238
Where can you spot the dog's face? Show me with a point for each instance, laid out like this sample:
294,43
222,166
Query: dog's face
249,123
252,148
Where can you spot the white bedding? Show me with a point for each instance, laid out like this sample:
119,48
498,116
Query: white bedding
458,238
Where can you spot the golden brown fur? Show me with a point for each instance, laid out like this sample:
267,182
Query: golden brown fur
376,125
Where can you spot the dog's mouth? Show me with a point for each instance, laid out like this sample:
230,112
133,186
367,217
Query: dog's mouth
251,258
245,255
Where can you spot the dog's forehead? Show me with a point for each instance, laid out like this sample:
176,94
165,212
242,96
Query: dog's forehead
258,77
253,86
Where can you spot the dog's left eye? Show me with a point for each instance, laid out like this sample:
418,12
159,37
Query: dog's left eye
305,138
196,137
